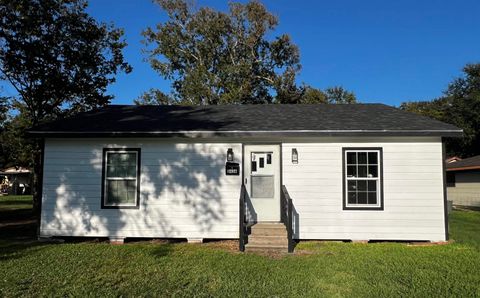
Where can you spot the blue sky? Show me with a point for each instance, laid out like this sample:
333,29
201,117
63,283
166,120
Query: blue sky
384,51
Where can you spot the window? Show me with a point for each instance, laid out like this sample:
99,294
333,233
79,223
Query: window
362,179
121,173
450,179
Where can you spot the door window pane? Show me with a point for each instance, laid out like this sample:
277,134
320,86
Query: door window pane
262,186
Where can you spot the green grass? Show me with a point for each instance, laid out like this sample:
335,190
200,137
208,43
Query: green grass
317,268
15,203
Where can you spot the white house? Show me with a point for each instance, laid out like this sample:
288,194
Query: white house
266,174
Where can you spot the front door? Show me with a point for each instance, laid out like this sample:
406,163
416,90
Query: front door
262,180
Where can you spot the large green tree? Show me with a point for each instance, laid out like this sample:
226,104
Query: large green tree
3,111
460,106
215,57
59,59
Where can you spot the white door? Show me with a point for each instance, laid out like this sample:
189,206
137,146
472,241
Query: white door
262,180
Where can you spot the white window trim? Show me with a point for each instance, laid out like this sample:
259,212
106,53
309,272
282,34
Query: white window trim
106,178
378,179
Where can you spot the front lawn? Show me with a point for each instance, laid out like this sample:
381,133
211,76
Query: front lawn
217,269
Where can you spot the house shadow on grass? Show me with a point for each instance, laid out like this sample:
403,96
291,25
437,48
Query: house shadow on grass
17,223
163,250
15,249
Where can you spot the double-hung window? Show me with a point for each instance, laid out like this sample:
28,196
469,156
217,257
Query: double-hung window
362,179
121,178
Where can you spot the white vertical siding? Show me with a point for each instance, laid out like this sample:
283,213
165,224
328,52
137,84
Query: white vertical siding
466,191
413,191
184,190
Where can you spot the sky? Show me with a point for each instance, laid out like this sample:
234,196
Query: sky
383,51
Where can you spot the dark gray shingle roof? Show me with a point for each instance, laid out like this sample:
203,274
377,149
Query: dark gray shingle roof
273,119
465,164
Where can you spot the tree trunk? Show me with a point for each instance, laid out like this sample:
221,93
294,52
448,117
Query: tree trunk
37,152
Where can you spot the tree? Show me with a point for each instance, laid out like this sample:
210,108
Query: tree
15,147
154,97
435,109
339,95
214,57
460,106
59,60
3,111
314,95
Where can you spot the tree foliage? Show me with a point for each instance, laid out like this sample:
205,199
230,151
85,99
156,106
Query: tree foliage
57,57
3,111
60,61
15,148
214,57
460,106
313,95
155,97
340,95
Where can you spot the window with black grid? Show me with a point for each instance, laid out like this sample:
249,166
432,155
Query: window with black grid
362,178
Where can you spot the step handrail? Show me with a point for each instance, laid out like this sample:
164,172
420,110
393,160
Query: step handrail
242,223
287,216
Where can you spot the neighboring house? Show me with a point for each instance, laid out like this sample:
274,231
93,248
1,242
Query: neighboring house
353,172
463,181
15,181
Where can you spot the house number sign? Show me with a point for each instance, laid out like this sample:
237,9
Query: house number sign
232,169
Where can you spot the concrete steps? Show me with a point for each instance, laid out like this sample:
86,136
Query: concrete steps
265,237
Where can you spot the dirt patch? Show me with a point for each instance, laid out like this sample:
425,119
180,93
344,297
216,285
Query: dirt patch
229,245
430,243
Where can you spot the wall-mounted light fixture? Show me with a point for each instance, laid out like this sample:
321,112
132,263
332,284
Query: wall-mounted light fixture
229,154
294,155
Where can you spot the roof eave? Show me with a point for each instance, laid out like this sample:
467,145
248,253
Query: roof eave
203,134
465,168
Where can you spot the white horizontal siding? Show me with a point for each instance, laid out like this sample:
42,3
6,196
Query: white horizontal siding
184,191
413,191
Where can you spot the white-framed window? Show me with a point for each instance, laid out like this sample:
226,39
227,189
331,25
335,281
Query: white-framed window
362,178
121,178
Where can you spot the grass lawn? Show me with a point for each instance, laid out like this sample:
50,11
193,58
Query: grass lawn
216,269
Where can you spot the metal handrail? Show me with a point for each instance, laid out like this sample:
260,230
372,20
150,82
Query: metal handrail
242,225
287,216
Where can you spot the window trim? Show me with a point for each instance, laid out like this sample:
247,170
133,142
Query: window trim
104,180
380,207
